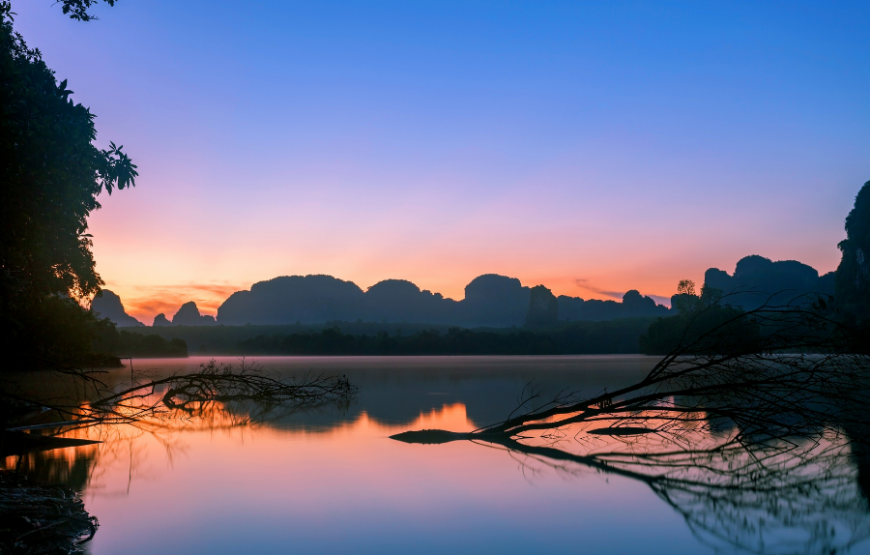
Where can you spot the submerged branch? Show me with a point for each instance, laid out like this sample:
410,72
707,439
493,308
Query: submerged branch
214,394
746,429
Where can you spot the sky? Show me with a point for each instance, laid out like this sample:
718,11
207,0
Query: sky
593,147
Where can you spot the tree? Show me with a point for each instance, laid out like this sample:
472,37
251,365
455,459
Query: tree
78,9
686,287
50,175
853,274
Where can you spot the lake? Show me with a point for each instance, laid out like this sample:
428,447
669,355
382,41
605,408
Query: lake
331,481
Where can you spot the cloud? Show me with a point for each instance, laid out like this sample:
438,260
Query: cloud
150,307
584,284
148,301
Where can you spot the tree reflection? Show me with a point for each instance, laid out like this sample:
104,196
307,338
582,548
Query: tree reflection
755,432
117,412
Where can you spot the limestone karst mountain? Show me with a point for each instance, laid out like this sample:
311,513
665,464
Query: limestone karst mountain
633,305
188,315
491,300
108,305
161,320
543,308
756,278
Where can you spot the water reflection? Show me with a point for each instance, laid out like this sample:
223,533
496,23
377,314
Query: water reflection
330,481
807,497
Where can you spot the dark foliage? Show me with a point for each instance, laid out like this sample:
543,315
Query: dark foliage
50,174
60,333
78,9
617,336
853,274
149,346
666,334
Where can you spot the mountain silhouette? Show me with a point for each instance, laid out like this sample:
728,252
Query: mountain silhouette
543,308
491,300
756,278
398,300
289,299
633,305
188,315
108,305
495,301
161,320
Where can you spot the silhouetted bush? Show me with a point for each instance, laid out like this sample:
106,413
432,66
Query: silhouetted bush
613,337
714,324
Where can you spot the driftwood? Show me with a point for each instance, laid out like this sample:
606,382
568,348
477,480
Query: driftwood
787,376
37,518
214,392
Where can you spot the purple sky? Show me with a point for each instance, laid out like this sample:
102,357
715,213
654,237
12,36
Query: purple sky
592,147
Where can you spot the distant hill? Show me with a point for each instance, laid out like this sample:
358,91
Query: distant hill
108,305
756,278
490,300
188,315
633,305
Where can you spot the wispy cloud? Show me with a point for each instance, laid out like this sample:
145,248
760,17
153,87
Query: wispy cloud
584,284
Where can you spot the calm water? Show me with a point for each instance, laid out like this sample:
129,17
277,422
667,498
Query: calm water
330,481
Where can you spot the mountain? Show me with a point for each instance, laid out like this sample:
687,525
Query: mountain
108,305
543,308
161,320
290,299
494,301
490,300
756,278
398,300
633,305
188,315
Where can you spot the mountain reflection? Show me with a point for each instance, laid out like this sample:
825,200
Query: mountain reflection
129,453
735,490
811,497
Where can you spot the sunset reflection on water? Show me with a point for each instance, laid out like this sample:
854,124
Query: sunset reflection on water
331,481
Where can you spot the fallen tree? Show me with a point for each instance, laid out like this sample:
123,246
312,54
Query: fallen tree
752,430
213,393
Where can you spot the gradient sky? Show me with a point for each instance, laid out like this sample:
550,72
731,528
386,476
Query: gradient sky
592,147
